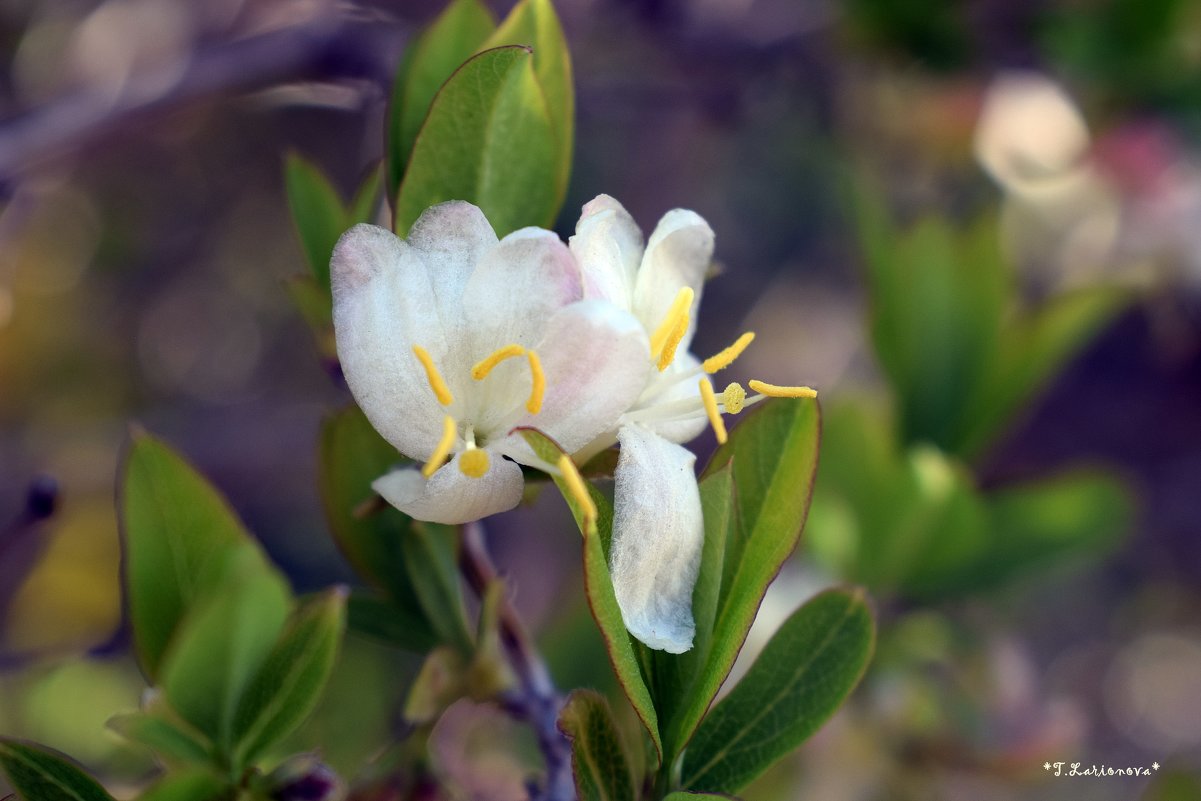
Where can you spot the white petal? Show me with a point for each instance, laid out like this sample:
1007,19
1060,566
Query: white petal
383,303
677,255
594,358
453,237
608,246
677,430
658,534
451,497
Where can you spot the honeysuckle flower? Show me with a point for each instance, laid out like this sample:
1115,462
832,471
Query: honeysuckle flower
451,339
658,529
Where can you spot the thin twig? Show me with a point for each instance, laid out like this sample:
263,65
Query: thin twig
537,701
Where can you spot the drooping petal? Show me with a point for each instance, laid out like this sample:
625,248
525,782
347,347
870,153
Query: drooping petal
451,497
593,355
608,246
677,255
677,429
658,534
383,304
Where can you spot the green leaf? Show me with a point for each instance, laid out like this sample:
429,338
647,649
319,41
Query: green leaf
317,212
180,540
290,682
430,554
163,737
488,140
384,620
598,589
598,758
686,795
219,646
773,453
433,57
803,675
194,785
534,23
39,774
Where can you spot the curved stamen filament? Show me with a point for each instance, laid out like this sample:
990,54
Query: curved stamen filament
577,487
667,330
436,382
773,391
722,360
538,379
710,401
485,366
449,434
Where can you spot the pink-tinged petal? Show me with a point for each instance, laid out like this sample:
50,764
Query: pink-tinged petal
678,255
451,497
658,535
594,358
453,237
608,246
384,303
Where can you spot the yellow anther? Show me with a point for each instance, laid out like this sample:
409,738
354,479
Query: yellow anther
719,425
538,390
577,487
773,391
484,366
441,391
734,398
720,361
673,342
675,320
474,462
449,433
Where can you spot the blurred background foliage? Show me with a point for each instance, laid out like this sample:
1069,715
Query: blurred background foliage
975,227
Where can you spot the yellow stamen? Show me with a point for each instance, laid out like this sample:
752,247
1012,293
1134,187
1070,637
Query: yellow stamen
721,361
538,390
719,425
672,322
734,398
441,391
577,487
449,432
673,342
474,462
484,366
773,391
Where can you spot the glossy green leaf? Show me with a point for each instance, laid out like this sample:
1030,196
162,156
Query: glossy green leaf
317,212
598,758
535,24
381,618
166,739
803,675
39,774
288,685
773,453
488,140
194,785
180,541
431,556
598,588
432,57
220,645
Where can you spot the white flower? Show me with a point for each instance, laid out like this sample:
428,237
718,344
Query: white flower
451,339
658,530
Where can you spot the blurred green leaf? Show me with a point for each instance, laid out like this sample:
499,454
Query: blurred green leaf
441,681
598,588
534,23
317,212
686,795
181,540
289,683
488,140
803,675
598,758
381,618
431,556
39,774
433,56
220,644
194,785
165,738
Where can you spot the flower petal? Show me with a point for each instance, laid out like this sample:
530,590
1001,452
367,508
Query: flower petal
594,358
383,304
451,497
677,255
608,246
658,534
683,429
